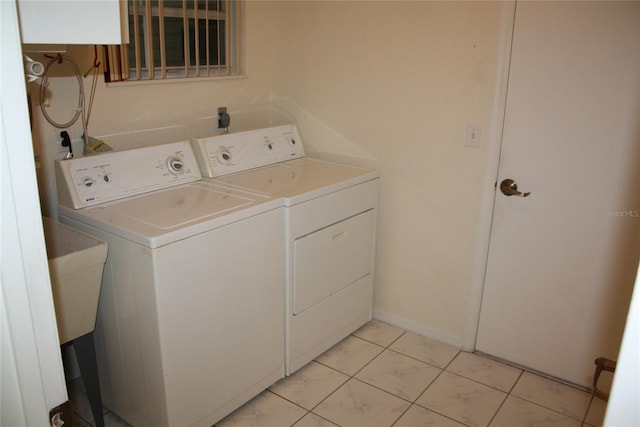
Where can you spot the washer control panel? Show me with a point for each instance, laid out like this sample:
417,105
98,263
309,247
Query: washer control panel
91,180
235,152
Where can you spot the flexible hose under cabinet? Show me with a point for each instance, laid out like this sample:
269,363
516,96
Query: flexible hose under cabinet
81,110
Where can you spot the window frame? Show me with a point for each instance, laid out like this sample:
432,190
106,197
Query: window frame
121,69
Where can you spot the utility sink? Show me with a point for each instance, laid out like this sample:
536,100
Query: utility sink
76,261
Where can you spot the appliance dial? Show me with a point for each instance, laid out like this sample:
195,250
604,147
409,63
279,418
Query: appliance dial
176,165
224,156
88,182
292,142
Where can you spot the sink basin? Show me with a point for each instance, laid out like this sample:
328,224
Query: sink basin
76,261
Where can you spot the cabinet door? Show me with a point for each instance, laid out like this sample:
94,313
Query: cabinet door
73,22
331,259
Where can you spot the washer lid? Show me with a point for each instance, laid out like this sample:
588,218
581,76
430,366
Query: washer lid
162,217
299,180
166,210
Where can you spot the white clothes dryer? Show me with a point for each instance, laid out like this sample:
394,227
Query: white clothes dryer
330,215
190,321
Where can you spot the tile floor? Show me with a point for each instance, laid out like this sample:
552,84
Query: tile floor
384,376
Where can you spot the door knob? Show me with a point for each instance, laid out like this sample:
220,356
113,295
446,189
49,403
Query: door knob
510,188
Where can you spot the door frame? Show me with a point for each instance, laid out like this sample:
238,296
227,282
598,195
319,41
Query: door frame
488,196
33,379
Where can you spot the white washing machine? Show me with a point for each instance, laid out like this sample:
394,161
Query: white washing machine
190,321
330,215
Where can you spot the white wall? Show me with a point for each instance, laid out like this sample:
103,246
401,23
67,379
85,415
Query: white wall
394,84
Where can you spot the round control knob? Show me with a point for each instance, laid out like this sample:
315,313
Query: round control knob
106,178
176,165
224,156
292,142
87,181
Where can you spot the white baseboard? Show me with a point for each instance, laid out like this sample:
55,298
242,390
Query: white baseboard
417,328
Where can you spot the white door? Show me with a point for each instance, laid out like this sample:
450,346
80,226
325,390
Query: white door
562,260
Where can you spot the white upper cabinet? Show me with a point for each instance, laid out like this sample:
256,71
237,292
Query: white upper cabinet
73,21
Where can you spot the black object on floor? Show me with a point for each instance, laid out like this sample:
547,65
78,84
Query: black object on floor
85,350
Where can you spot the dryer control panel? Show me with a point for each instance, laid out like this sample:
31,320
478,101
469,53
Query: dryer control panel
92,180
235,152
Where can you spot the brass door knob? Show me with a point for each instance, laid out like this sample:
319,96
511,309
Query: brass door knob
510,188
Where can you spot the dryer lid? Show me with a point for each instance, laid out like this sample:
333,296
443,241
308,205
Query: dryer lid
299,180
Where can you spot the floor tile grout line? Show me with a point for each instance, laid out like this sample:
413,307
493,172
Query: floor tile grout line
522,373
586,413
427,388
476,381
404,332
442,370
324,418
495,414
350,377
325,398
388,347
375,343
441,414
452,359
513,386
411,403
293,403
415,402
542,406
551,378
353,377
415,358
303,415
369,362
401,415
505,398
